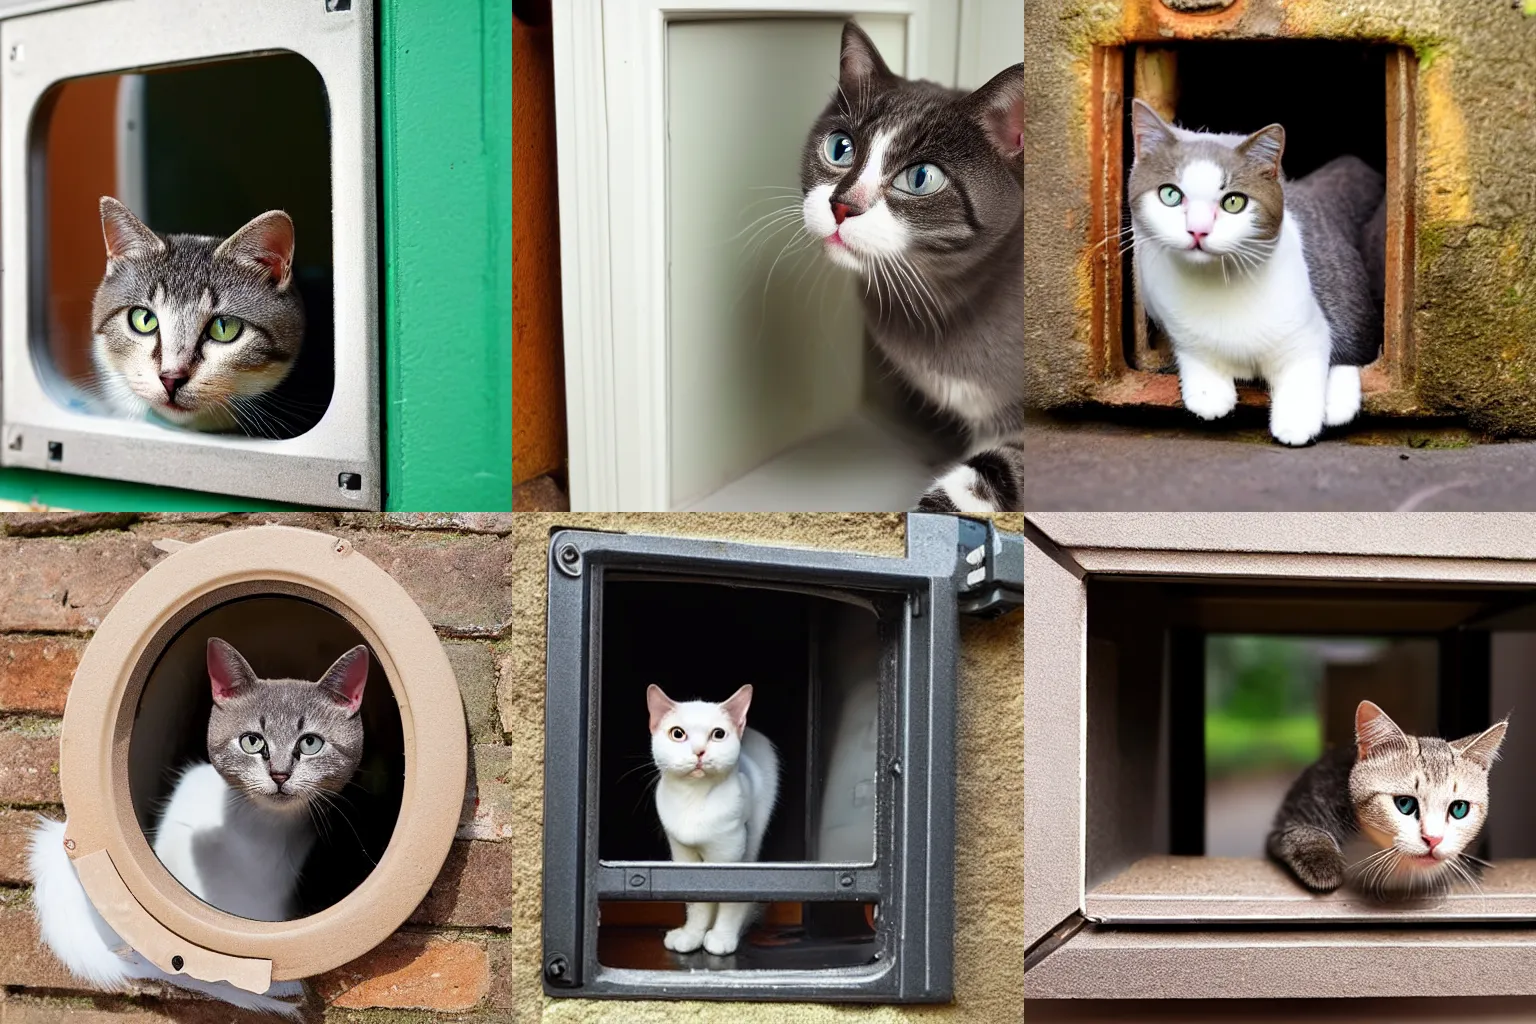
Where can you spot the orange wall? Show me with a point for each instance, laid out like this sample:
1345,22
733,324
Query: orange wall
538,384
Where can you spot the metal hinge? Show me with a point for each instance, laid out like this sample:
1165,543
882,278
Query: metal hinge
993,560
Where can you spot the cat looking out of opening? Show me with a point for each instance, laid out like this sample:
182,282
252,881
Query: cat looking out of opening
918,189
198,332
1253,276
717,785
1417,802
235,831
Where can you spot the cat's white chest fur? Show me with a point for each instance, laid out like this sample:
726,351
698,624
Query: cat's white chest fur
229,852
723,819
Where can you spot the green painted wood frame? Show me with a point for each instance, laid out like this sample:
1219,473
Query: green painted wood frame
445,104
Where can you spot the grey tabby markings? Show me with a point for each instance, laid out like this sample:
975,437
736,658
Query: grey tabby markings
178,372
962,318
1348,792
282,712
1341,208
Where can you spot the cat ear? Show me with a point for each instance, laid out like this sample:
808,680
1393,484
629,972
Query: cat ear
266,243
126,236
1148,130
861,65
1000,109
1482,749
227,670
344,680
659,704
1374,731
736,707
1266,145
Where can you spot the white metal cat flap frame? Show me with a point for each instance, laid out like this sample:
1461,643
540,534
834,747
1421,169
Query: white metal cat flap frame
126,882
1103,919
335,463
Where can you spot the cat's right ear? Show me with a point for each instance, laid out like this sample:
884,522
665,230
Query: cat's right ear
265,244
861,65
1148,130
345,679
227,670
1267,146
659,705
999,107
1374,731
126,236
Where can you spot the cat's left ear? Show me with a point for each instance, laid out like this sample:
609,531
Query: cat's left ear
344,680
266,243
1267,146
736,708
227,670
999,107
1482,749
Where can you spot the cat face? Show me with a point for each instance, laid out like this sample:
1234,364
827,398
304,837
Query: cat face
696,739
1200,197
193,329
896,170
284,742
1421,798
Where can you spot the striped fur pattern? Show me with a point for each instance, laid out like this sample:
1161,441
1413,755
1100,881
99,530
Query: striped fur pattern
1417,802
992,480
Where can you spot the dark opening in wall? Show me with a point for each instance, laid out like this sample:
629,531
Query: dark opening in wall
787,937
281,637
195,149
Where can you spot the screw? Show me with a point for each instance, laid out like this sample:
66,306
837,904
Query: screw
69,844
896,767
16,52
845,880
332,6
176,963
636,881
569,554
349,481
342,547
16,442
55,451
557,967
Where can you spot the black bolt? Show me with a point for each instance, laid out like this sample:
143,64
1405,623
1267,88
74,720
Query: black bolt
896,767
845,880
557,966
636,881
349,481
569,554
55,451
176,963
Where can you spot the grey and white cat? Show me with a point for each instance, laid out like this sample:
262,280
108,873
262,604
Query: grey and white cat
1254,276
195,331
717,785
919,190
1416,802
235,831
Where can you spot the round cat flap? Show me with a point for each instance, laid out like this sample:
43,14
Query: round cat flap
172,691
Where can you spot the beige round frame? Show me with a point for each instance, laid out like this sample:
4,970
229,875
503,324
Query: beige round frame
126,882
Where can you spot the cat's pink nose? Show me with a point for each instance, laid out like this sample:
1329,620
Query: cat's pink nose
279,777
842,211
171,383
1434,841
1198,236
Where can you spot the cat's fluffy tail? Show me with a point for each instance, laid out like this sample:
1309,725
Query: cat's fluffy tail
97,955
991,480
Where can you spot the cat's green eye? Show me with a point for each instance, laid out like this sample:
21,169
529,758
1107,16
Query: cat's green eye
920,180
1170,195
309,743
1407,805
252,743
142,320
678,734
839,149
1234,202
1459,809
225,328
718,734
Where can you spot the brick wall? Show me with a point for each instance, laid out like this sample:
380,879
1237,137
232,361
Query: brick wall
61,573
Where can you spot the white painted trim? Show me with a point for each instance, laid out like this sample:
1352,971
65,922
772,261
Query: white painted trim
610,99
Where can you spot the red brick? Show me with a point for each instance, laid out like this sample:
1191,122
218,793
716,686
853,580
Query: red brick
67,584
472,890
408,971
322,521
461,583
475,671
59,524
29,769
35,672
457,522
15,839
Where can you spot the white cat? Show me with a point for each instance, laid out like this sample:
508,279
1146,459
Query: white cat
235,832
718,784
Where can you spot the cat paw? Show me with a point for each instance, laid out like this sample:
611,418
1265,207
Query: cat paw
1318,869
720,943
959,490
1296,430
1210,397
681,940
1342,402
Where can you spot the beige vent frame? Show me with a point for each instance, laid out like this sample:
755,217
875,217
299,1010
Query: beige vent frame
1086,942
129,886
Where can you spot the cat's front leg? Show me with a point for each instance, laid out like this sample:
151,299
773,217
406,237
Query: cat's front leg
1297,390
1208,391
699,916
731,918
